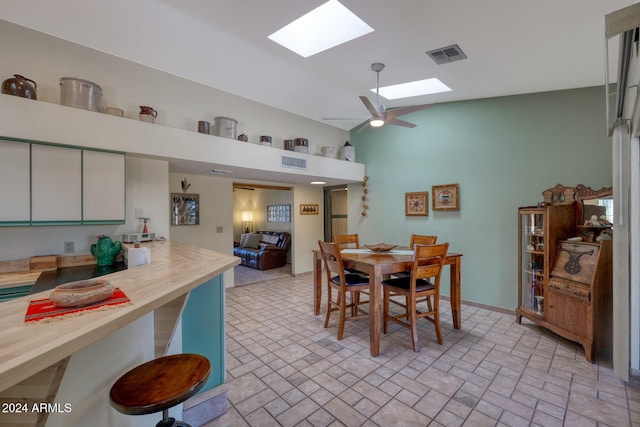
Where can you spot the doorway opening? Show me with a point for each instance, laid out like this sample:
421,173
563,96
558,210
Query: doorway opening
253,211
335,211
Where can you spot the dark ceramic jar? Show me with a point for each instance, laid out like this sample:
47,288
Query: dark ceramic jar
19,86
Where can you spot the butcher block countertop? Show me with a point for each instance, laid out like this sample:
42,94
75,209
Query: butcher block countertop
9,280
175,269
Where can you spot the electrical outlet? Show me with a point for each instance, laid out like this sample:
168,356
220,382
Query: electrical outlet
68,247
219,229
139,213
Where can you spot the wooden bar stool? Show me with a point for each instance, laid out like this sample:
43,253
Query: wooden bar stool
159,385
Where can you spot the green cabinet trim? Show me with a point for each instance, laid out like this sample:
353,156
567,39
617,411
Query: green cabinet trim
25,222
28,141
7,294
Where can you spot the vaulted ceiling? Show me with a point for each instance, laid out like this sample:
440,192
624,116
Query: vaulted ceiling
513,47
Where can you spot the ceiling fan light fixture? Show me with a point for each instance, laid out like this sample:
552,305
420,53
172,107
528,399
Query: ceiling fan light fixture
376,122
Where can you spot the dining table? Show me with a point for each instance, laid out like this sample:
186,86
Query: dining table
379,265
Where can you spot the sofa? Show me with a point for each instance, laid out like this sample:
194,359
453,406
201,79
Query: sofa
263,250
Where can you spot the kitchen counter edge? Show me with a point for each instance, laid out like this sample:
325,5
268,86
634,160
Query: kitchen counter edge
175,270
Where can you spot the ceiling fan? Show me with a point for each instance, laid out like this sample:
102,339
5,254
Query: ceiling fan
380,116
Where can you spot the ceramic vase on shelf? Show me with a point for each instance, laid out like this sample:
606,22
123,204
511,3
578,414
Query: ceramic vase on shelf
539,302
147,114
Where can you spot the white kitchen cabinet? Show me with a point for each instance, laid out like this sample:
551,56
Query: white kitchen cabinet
103,187
56,189
15,197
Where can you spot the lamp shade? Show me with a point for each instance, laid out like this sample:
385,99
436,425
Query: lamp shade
247,216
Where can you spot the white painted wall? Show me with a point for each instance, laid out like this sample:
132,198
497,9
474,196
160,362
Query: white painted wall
180,104
308,228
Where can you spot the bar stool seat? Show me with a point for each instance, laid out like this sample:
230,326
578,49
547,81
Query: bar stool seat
160,384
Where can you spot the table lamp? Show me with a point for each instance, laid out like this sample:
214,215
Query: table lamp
247,221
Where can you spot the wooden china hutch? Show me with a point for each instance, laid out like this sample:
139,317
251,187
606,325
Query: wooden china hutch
565,265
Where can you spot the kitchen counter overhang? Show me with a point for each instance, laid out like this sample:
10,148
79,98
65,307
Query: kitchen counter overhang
175,270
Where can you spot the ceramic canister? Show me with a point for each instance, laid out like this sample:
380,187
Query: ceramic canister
225,127
301,145
265,140
80,93
348,153
113,111
328,152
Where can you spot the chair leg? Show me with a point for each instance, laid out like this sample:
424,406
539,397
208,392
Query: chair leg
326,321
385,310
411,311
355,299
436,321
343,313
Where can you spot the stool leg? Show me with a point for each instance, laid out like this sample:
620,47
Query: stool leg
167,421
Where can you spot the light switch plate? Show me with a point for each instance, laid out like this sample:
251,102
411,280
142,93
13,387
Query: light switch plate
219,229
139,213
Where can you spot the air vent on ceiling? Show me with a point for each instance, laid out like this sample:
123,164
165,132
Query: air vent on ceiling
444,55
293,162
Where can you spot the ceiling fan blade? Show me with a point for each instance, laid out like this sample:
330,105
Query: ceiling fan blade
345,118
406,110
398,122
373,110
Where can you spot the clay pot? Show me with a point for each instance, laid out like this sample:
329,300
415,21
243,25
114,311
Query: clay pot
20,86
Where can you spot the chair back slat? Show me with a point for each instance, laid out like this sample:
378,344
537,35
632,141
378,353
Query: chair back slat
428,261
418,239
347,240
332,259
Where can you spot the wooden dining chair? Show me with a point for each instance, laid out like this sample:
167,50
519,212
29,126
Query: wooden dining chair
423,282
417,239
345,241
348,241
342,282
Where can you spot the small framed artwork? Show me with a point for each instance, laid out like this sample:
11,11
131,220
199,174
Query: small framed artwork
416,204
278,213
185,209
446,197
307,209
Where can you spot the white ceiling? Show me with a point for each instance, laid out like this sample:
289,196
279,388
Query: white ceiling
513,46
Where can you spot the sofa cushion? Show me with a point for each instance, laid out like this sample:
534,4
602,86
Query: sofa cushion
250,241
271,239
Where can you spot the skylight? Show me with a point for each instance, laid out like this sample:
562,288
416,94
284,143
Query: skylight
417,88
329,25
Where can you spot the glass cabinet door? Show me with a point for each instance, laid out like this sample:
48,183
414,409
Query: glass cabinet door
532,257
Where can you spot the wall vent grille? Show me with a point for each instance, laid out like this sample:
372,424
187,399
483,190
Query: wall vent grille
447,54
293,162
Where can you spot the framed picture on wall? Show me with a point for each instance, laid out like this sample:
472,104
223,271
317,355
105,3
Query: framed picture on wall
416,203
279,213
185,209
309,209
446,197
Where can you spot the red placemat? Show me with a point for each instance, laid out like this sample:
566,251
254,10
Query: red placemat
44,310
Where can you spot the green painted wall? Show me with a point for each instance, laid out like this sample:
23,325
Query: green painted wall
503,152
